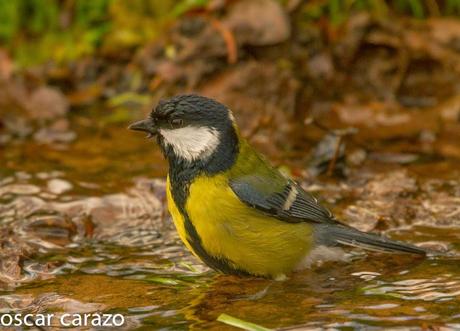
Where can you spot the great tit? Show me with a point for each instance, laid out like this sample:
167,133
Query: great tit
235,211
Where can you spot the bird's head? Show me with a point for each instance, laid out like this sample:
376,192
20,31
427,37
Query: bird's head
189,127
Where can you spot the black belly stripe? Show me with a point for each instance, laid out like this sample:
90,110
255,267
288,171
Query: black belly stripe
222,264
217,263
181,175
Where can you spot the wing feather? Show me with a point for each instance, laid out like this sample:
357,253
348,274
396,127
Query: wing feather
291,203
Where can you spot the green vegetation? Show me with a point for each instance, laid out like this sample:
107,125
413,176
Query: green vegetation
338,10
64,30
238,323
35,32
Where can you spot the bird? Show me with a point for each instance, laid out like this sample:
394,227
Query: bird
235,211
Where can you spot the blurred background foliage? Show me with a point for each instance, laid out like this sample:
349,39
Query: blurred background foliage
67,29
64,30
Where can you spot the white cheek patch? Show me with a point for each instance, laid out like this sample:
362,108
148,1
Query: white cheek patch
191,143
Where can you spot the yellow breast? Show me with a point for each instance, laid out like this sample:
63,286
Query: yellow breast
251,240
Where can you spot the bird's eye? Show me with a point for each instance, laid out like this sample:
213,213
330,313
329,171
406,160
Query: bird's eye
176,122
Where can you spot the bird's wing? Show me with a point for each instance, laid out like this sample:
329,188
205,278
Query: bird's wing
293,204
280,197
261,186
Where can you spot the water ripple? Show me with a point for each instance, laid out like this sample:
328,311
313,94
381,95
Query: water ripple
444,287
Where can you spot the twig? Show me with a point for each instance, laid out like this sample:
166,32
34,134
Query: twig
229,38
331,166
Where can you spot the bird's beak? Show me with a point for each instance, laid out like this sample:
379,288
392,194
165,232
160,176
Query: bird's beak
146,125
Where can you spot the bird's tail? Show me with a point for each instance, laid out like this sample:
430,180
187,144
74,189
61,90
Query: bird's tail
344,235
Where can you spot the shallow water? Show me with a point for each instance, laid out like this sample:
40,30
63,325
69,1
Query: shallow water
92,235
